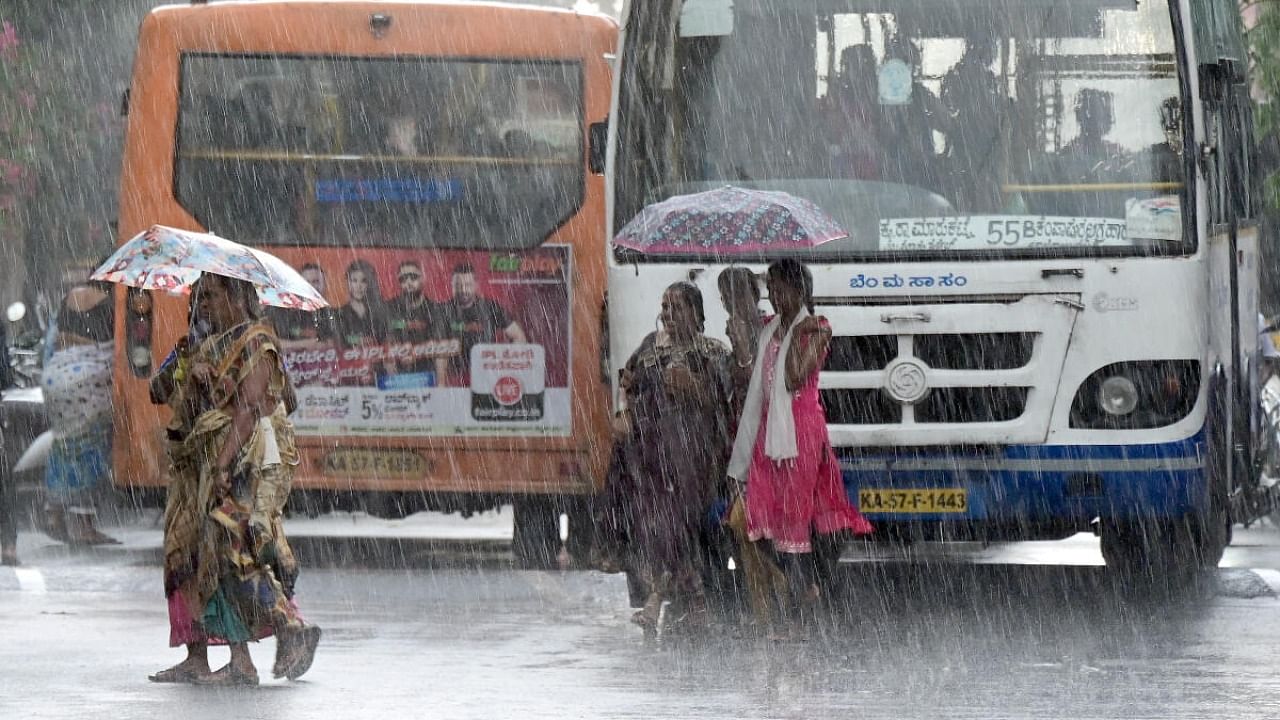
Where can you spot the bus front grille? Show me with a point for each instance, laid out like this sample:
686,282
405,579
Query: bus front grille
921,374
980,351
941,405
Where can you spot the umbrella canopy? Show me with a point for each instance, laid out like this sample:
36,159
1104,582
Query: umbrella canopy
729,220
172,260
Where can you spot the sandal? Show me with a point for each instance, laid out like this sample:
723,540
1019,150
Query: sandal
178,674
310,640
228,674
295,652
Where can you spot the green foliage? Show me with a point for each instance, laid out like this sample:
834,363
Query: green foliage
55,128
1264,55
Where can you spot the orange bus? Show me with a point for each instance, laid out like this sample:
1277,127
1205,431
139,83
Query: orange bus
435,170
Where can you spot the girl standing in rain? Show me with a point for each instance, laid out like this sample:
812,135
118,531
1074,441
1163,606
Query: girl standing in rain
782,451
766,585
673,428
228,570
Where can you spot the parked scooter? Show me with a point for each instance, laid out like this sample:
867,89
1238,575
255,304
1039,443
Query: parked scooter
22,415
26,348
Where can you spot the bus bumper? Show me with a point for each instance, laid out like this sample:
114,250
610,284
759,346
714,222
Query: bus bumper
1026,490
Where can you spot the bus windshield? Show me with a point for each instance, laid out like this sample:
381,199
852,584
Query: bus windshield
925,127
402,152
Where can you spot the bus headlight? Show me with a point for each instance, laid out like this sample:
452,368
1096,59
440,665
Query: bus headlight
1118,395
1136,395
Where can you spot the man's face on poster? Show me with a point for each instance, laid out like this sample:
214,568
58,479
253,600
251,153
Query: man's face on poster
464,288
410,279
314,276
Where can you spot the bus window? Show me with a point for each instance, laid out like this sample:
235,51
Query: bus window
885,112
426,152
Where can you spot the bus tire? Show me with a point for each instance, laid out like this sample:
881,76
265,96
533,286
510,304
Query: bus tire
1142,550
581,530
1172,551
1210,528
535,538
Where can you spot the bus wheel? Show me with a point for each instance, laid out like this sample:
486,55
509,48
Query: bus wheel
535,540
581,530
1173,551
1211,533
1140,551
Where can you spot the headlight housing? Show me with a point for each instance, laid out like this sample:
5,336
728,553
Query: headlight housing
1136,395
1117,395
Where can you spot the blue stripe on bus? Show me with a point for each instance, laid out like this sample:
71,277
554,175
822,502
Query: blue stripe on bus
1031,482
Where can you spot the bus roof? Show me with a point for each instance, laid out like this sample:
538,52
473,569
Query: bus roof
345,26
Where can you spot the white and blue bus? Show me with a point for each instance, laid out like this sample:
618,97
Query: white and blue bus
1045,311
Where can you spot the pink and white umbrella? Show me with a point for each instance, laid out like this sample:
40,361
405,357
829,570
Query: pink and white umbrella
728,221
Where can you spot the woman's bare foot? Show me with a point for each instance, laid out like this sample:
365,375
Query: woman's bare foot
192,670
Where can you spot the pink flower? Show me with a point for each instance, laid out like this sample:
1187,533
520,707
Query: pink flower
8,37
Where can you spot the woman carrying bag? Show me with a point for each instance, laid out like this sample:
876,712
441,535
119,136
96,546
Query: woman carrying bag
782,451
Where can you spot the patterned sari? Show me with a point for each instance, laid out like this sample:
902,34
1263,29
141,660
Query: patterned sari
229,571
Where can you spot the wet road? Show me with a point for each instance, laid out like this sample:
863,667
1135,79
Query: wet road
447,629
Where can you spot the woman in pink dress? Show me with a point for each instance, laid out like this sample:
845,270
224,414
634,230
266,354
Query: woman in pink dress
782,452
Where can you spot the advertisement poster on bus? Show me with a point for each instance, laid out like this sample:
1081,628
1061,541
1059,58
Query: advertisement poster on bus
434,342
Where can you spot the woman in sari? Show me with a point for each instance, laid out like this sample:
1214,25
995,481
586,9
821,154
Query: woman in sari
76,381
229,572
781,450
673,430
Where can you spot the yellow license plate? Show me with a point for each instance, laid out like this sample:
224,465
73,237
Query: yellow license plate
913,500
365,463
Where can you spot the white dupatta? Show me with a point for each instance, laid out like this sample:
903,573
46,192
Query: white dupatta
780,427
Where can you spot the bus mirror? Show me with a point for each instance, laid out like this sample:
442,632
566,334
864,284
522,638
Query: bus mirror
706,18
1232,70
1214,83
598,146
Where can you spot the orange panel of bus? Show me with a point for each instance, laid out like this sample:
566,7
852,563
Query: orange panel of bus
434,169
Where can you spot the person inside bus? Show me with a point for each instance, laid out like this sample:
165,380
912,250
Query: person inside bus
1167,156
447,129
414,318
977,146
1090,158
76,381
781,451
673,425
300,329
1090,154
475,320
909,126
853,119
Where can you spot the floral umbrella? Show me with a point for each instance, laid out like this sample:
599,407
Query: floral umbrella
172,260
729,220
